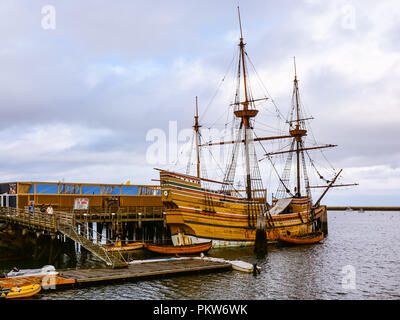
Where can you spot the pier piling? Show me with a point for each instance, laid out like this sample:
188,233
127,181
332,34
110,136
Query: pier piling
260,245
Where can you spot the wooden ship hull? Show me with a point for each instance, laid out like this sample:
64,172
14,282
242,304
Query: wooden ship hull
182,249
195,215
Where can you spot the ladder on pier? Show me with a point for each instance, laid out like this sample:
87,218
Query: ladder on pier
66,226
62,222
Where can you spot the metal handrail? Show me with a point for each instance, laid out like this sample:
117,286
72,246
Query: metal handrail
70,217
57,222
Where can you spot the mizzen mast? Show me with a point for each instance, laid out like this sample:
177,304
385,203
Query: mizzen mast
297,130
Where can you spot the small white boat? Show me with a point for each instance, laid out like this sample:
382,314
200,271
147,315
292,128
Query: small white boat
243,266
236,264
45,270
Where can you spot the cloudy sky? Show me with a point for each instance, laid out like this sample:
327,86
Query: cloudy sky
85,85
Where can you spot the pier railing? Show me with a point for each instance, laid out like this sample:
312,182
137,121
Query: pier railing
64,223
35,219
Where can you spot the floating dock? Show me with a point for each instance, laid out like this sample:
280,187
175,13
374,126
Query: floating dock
56,281
149,268
140,270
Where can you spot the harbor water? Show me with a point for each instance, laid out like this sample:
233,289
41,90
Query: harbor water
360,259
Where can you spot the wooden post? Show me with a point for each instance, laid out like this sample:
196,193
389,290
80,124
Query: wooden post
130,230
260,245
99,230
35,252
140,220
51,250
165,219
71,252
90,230
124,231
324,222
113,226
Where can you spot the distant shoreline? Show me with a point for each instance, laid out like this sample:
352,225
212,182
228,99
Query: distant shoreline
331,208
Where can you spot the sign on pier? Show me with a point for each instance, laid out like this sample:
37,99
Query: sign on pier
81,204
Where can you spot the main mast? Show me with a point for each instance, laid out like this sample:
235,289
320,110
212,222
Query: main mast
297,133
245,114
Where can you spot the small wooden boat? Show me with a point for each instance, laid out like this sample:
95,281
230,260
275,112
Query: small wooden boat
306,239
20,292
185,249
125,247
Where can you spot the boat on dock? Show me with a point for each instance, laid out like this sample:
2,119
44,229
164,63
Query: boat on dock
44,271
305,239
236,264
244,266
124,247
20,292
183,249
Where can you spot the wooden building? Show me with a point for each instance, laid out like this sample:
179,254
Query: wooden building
100,198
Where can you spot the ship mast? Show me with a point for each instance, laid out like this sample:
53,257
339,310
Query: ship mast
245,114
244,111
297,133
196,130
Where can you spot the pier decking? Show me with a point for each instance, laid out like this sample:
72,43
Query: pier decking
148,269
133,271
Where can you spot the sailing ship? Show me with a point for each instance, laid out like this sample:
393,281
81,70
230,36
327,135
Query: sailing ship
227,216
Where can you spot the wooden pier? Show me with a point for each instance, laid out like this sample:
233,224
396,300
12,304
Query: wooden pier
162,267
78,227
148,269
124,211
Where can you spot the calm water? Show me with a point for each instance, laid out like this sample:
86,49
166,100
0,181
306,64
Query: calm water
366,243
